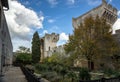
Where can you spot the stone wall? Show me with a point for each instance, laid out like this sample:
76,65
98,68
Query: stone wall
110,14
49,42
6,48
104,10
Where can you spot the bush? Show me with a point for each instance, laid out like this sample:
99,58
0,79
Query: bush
51,76
41,67
23,58
84,74
72,75
110,72
63,72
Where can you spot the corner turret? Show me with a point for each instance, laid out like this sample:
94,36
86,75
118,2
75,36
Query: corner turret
104,2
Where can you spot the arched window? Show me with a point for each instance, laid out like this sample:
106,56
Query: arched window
49,48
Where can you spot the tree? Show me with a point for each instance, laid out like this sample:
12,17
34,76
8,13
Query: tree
92,39
23,58
116,55
84,74
56,57
23,55
23,49
36,54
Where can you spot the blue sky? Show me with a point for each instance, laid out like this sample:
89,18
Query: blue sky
58,13
47,16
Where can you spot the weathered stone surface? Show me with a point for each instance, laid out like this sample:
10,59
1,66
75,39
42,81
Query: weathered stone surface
48,42
14,74
104,10
6,48
108,12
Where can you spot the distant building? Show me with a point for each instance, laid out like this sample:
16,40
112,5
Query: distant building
6,47
48,43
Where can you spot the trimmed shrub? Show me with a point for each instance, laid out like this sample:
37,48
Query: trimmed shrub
84,74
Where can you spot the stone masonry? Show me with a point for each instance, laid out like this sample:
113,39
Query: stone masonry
104,10
48,43
6,48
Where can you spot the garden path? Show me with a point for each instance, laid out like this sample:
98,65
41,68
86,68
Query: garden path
13,74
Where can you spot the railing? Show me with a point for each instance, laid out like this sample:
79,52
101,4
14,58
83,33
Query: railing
29,75
115,79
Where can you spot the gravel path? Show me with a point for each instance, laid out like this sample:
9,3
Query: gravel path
14,74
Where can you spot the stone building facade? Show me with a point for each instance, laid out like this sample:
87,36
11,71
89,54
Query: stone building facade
104,10
48,44
6,47
117,35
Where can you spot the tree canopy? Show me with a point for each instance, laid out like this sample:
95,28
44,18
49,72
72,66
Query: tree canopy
23,49
93,38
23,55
36,54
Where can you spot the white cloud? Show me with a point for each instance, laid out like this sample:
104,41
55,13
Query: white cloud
116,26
61,42
93,2
118,13
53,2
70,1
45,31
19,42
26,3
109,1
51,20
22,21
54,29
64,36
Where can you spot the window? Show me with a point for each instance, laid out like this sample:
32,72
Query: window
49,48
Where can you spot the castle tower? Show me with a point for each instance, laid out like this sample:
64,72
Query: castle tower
104,2
104,10
48,43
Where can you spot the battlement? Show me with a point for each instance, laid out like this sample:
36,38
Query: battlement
105,10
52,37
48,43
109,7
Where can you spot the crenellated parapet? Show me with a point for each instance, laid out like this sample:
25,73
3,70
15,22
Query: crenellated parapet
52,37
109,12
48,43
104,10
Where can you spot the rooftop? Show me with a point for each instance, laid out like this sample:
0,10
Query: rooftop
5,3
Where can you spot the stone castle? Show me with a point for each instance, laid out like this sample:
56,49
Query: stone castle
48,44
108,12
104,10
49,41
